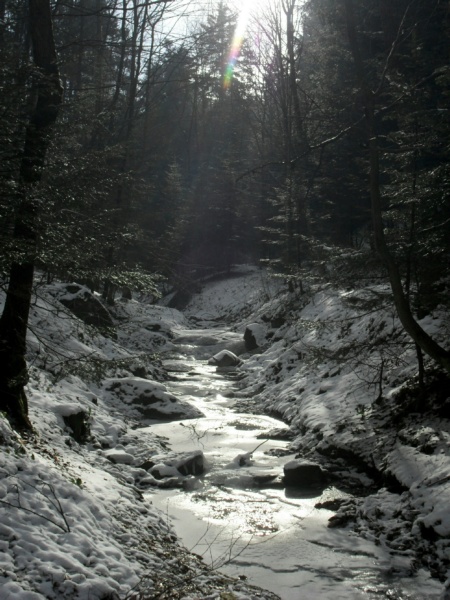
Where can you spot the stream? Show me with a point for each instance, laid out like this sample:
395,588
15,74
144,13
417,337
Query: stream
242,523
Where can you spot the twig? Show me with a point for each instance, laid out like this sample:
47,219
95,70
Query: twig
56,505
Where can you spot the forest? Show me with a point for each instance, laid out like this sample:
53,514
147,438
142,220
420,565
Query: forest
150,146
132,153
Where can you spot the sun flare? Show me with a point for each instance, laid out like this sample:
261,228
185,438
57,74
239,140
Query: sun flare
247,8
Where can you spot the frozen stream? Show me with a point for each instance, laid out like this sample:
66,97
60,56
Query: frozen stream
272,537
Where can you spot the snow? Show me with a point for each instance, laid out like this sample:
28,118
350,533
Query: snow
150,399
229,298
335,371
80,521
73,521
59,538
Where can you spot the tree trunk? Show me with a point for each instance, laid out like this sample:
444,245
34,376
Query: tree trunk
411,326
14,320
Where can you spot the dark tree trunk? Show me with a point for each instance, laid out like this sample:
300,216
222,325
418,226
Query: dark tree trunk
14,320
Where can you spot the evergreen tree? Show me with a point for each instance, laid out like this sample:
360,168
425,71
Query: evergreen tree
389,88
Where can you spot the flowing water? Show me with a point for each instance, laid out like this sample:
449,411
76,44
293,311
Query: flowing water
237,515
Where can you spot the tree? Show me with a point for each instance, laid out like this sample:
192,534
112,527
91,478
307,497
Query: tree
338,205
219,140
47,91
370,98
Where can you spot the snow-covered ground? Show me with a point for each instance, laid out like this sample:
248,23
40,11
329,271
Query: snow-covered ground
333,364
73,520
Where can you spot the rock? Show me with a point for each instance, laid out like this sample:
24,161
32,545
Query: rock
225,358
333,504
254,336
119,456
139,371
277,322
87,307
249,340
174,465
277,434
182,410
147,465
151,399
344,515
340,520
78,423
298,473
192,465
266,480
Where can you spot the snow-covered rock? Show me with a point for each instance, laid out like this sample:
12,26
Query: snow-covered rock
174,465
119,455
84,304
225,358
150,399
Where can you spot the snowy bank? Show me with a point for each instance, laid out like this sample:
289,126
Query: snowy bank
74,524
342,372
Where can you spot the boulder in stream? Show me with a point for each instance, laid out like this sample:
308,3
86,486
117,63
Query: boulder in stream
119,455
174,465
225,358
300,473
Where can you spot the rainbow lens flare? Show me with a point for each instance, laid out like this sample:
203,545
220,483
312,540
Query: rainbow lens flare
235,48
